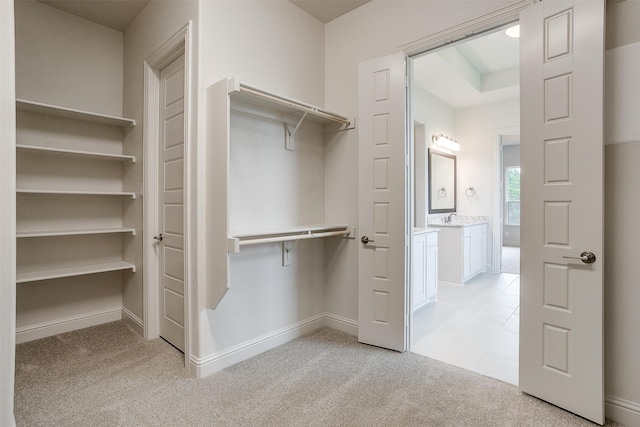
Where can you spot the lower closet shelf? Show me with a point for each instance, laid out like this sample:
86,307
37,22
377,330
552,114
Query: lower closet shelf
56,273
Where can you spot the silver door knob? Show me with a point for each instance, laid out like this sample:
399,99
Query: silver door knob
366,240
586,257
159,237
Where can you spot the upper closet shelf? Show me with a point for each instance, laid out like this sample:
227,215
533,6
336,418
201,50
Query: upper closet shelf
301,232
251,95
70,113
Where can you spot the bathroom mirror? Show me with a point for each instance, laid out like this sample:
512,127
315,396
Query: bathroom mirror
442,182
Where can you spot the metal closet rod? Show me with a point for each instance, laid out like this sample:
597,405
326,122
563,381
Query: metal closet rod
294,104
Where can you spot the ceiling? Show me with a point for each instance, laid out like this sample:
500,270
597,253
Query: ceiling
118,14
479,71
328,10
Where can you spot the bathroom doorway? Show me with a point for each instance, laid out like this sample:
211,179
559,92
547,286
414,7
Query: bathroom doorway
509,190
469,92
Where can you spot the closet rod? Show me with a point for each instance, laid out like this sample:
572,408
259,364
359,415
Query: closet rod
294,104
293,237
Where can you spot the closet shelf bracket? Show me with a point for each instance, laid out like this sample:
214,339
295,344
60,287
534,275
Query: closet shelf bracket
289,141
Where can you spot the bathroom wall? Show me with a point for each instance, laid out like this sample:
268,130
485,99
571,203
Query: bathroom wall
478,129
433,117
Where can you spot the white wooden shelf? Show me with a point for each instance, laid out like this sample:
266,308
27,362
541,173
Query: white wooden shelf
79,193
75,153
251,95
70,113
56,273
302,232
56,233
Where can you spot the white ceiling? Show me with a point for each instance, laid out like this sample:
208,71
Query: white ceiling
328,10
475,72
116,14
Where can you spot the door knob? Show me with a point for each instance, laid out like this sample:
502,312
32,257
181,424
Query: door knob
366,240
586,257
159,237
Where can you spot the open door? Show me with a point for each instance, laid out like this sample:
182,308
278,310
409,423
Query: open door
382,207
561,330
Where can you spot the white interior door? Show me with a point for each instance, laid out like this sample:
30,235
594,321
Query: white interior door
171,203
561,330
382,210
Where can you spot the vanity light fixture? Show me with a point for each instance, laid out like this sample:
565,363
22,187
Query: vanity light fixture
513,32
445,142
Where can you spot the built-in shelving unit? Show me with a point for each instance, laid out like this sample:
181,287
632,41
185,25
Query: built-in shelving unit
232,95
69,193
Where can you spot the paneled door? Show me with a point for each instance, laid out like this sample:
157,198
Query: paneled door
382,305
561,329
171,203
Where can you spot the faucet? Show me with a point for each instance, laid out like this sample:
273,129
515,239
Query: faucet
447,220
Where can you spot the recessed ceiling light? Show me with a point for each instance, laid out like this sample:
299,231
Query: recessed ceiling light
513,31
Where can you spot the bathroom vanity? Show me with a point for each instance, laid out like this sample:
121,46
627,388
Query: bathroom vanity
462,247
425,266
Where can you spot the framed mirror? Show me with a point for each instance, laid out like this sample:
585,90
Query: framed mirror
442,182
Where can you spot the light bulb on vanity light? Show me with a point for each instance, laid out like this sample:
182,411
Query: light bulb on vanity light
445,142
513,32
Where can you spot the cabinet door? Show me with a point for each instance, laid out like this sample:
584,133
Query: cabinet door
466,250
476,248
419,269
432,272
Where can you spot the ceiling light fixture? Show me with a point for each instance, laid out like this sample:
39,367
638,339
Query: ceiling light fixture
513,32
445,142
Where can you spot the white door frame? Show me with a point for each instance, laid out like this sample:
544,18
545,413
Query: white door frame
498,211
180,43
495,19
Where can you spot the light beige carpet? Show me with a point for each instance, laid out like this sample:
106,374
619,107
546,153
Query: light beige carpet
109,376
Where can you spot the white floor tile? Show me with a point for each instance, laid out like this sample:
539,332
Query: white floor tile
475,326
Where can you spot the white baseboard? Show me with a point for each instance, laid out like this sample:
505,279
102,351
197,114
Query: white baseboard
341,324
132,320
67,324
205,366
622,411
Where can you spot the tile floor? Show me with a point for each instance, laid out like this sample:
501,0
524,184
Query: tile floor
474,326
511,259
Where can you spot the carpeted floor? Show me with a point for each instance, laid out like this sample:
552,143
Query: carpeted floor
109,376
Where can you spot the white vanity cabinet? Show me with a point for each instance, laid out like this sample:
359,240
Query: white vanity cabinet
463,252
425,266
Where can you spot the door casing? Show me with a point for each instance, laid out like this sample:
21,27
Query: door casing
180,43
493,20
